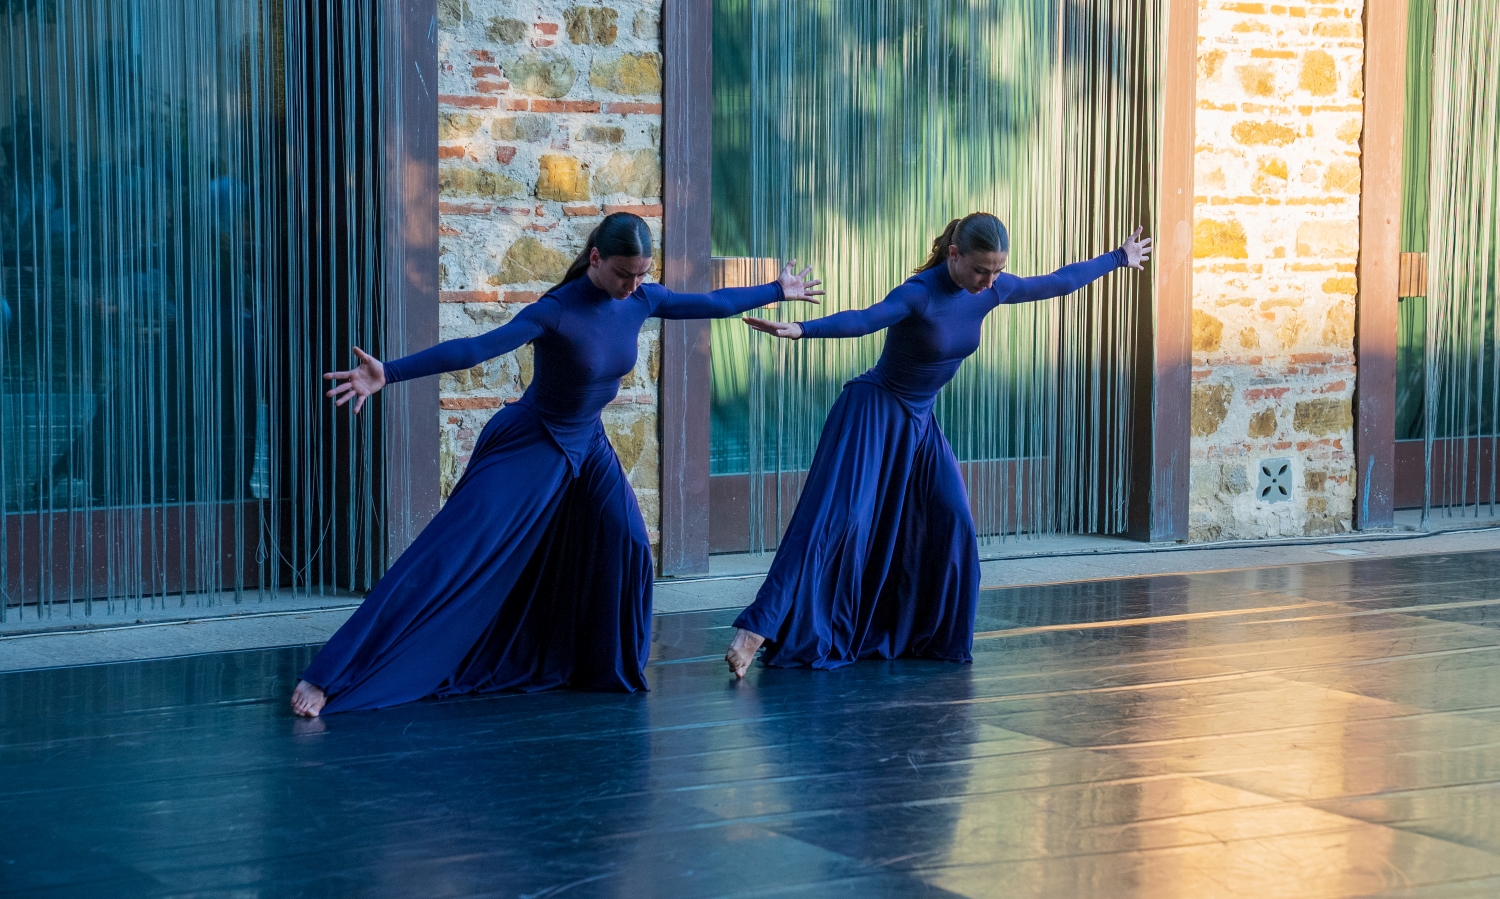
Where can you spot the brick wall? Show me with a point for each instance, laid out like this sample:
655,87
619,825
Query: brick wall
1276,239
549,118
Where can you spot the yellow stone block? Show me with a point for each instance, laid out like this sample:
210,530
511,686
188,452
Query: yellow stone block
457,125
632,441
1289,335
1323,417
1338,329
634,74
1270,175
1338,29
544,74
1210,408
529,260
1258,81
1328,239
1342,177
1208,332
1263,424
592,25
1319,74
637,173
454,181
1209,64
1213,239
563,178
1256,134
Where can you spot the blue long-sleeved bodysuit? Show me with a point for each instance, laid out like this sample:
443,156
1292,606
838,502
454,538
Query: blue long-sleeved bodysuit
880,557
537,571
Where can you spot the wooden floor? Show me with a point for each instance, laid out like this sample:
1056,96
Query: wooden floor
1311,731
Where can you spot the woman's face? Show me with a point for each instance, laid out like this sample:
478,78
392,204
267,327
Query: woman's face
618,276
975,271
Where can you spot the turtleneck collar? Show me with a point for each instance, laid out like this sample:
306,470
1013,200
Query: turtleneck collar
941,280
584,288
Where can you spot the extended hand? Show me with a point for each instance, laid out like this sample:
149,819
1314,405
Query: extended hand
359,384
795,286
1137,251
788,330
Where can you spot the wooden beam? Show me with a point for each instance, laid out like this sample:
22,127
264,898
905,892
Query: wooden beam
1379,263
687,125
409,416
1164,369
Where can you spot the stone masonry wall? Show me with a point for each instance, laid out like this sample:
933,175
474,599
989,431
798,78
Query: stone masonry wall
549,119
1276,239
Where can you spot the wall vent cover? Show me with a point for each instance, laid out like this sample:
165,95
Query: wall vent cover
1275,481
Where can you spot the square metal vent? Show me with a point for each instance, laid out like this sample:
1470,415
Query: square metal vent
1275,481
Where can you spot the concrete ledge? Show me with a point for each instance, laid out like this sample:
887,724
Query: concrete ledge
128,634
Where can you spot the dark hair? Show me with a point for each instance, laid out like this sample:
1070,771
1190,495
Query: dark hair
975,231
620,234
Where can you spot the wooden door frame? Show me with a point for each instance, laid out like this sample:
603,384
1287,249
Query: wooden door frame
1161,461
1379,263
687,185
409,416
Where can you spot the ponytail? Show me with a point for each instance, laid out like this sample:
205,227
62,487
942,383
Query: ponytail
620,234
940,245
978,231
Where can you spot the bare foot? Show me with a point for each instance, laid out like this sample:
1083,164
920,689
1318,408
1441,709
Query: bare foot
741,651
308,700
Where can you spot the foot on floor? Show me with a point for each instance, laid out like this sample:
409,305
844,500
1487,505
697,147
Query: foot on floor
308,700
742,651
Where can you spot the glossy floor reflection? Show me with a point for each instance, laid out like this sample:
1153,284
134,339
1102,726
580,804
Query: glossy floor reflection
1312,731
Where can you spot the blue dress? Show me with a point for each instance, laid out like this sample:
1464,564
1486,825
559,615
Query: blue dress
537,572
880,558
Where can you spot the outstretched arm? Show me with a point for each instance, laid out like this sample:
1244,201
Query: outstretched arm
851,323
721,303
729,301
361,383
1133,253
467,352
1060,283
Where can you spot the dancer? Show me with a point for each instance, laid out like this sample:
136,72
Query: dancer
537,571
880,558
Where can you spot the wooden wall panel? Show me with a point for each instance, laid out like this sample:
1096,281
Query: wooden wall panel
1163,395
409,417
687,119
1379,263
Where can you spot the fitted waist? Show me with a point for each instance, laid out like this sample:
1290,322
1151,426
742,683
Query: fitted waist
573,433
917,404
571,403
917,382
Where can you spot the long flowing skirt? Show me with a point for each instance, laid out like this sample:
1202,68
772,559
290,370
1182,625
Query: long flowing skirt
880,558
534,575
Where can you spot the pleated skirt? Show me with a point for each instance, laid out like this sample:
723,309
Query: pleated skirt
880,558
535,575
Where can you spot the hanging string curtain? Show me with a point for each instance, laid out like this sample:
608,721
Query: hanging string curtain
1461,405
847,133
190,199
